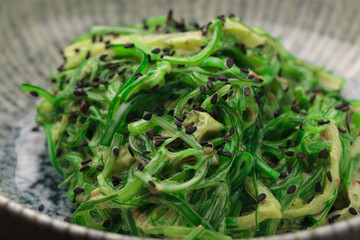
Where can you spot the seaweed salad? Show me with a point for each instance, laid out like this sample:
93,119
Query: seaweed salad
172,130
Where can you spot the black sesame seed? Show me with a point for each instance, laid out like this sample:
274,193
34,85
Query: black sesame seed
84,108
150,135
339,106
261,197
291,189
310,199
289,153
67,219
190,100
190,125
202,89
244,70
190,130
104,82
295,109
317,187
147,116
155,51
95,84
242,47
116,151
151,183
212,78
58,152
231,131
322,122
140,167
84,168
258,99
84,143
328,174
222,78
221,17
278,57
128,45
93,38
227,138
203,143
229,63
171,112
209,84
78,190
103,57
86,161
113,66
181,119
226,154
178,124
155,88
99,168
88,55
342,130
277,113
116,178
230,93
352,211
137,75
121,70
160,111
34,94
106,224
225,97
130,151
301,155
41,207
77,50
251,77
271,164
166,49
211,113
312,99
280,72
61,68
203,46
214,98
247,91
289,168
158,142
219,151
345,108
336,216
282,174
310,170
323,153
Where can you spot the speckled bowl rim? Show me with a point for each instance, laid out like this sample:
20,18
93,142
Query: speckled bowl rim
330,230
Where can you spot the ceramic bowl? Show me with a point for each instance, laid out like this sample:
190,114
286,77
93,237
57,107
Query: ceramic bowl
324,32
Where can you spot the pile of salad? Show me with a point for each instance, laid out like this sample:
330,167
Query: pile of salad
166,129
